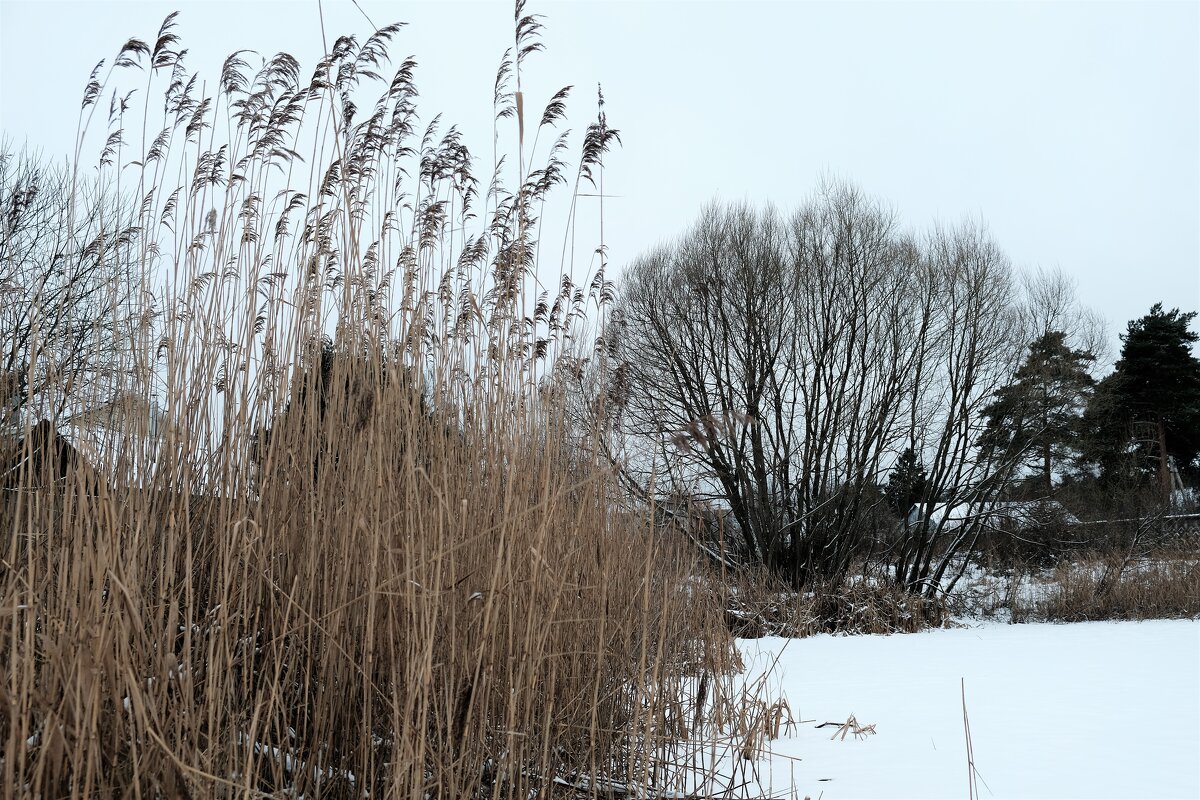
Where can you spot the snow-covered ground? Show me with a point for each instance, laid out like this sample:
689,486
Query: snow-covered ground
1089,710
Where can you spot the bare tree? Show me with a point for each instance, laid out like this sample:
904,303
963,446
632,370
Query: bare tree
1052,304
850,372
703,322
775,367
68,280
771,366
969,311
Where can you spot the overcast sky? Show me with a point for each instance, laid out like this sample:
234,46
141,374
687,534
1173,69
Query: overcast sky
1071,129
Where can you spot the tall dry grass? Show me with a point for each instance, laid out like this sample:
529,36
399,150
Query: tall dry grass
1142,570
382,568
759,604
1101,588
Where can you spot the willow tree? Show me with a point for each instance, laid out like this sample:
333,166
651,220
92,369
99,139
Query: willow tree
777,365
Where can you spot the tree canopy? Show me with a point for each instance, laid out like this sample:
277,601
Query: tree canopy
1150,405
1037,418
907,484
778,365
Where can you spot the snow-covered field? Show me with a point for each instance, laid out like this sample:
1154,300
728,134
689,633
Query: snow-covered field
1089,710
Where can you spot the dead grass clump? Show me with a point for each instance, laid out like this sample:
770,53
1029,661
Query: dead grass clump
864,607
759,606
1139,568
850,726
1162,586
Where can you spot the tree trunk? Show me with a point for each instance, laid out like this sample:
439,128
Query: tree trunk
1164,467
1049,480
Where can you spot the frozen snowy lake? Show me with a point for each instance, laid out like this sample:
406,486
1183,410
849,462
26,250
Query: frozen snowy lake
1088,710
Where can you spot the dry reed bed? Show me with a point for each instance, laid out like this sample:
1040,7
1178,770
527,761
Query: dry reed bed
412,586
758,605
1164,585
439,629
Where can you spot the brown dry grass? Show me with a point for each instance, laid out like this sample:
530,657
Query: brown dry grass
758,605
1143,567
1162,585
436,628
422,588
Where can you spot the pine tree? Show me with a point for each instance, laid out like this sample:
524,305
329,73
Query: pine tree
1156,383
1037,419
906,484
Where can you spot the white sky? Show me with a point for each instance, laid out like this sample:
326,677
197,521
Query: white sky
1071,129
